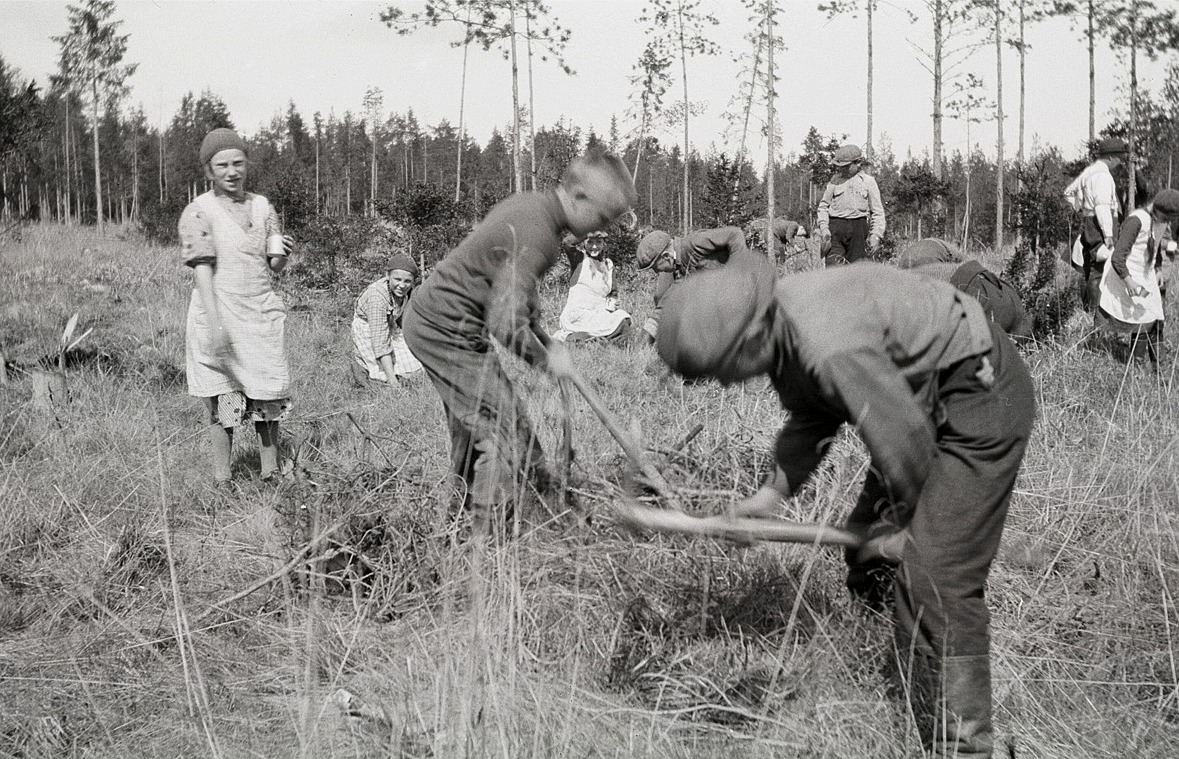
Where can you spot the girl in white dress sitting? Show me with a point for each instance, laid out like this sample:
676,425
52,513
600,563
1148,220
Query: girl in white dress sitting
592,312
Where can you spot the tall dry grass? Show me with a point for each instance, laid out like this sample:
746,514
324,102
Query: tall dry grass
144,612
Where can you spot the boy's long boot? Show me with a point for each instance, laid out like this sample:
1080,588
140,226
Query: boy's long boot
967,703
268,447
951,702
220,448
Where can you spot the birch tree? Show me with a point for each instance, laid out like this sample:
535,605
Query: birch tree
650,81
837,7
1133,26
91,58
679,27
373,102
493,23
951,43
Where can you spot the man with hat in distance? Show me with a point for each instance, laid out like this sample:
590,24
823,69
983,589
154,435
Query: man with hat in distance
673,258
1094,194
851,214
945,406
486,287
999,299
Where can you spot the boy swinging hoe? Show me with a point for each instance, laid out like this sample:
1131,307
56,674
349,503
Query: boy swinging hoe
945,406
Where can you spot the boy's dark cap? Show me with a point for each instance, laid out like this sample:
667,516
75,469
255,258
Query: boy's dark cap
650,247
846,154
928,251
1167,202
1112,146
704,315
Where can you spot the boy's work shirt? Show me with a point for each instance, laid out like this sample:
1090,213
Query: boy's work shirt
876,366
857,197
488,283
703,249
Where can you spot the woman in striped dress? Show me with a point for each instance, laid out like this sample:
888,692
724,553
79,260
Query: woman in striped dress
235,350
379,350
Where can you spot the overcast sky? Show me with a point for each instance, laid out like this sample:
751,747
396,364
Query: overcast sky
257,56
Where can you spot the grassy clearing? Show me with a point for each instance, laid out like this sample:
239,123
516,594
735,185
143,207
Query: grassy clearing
124,629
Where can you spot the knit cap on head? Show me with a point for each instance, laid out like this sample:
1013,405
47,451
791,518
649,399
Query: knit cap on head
650,247
846,154
218,140
1167,202
927,251
402,262
704,315
1112,146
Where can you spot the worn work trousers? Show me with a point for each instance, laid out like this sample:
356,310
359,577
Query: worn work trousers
849,241
941,618
494,454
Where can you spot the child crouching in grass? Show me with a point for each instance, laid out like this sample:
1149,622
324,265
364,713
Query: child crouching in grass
235,351
379,352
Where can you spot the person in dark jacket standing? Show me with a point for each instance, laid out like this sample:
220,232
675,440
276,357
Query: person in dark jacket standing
486,287
945,406
673,258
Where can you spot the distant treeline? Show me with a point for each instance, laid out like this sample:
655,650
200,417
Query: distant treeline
345,166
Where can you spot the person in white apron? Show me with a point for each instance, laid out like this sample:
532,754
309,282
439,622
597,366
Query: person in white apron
591,310
379,352
1131,289
235,351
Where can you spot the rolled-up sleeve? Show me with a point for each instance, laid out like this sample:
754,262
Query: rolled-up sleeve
875,209
374,304
196,238
1126,238
823,213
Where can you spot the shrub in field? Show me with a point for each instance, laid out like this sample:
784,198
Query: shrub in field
1042,218
158,221
431,218
328,239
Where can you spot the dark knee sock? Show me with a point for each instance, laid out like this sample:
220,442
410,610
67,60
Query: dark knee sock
268,446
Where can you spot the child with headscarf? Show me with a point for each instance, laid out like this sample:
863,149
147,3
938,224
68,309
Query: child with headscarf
235,349
1131,290
379,352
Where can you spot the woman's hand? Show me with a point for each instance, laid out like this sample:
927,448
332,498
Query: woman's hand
220,344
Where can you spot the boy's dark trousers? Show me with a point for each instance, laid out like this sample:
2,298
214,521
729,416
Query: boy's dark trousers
941,617
849,240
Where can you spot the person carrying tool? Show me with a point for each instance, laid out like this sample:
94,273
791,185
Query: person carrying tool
945,406
486,287
673,258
